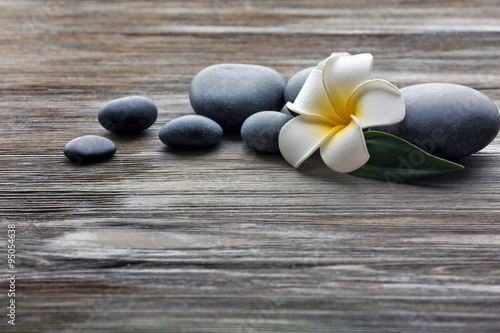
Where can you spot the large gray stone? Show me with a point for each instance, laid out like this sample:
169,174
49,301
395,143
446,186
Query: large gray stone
230,93
447,120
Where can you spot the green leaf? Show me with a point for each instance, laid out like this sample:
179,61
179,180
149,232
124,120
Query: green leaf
394,159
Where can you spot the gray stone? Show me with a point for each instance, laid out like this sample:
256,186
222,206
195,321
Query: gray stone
295,84
128,115
89,148
230,93
191,131
261,130
447,120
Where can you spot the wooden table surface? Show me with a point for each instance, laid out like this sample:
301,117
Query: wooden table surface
227,239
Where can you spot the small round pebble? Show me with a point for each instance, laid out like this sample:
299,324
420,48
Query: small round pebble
89,148
230,93
191,131
295,84
128,115
261,130
447,120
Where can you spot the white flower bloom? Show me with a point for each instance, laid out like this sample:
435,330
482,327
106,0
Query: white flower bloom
335,104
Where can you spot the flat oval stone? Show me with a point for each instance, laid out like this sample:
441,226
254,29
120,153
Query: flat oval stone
191,131
128,115
295,84
230,93
89,148
447,120
262,129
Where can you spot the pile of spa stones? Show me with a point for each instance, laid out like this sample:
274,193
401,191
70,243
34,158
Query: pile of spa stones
447,120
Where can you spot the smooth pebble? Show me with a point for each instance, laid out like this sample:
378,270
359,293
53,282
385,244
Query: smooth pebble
230,93
128,115
447,120
89,148
295,84
261,130
191,131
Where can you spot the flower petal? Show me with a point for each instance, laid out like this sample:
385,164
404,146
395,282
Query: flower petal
313,99
301,137
346,150
341,75
377,103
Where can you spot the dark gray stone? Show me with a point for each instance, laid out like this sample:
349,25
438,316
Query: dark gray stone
191,131
89,148
230,93
447,120
261,130
128,115
295,84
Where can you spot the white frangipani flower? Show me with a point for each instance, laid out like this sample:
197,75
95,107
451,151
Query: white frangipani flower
335,104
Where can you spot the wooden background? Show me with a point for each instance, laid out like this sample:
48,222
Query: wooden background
227,239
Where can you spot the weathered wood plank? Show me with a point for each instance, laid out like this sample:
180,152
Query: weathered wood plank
226,239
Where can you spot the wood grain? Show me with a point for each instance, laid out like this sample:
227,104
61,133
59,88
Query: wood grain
227,239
